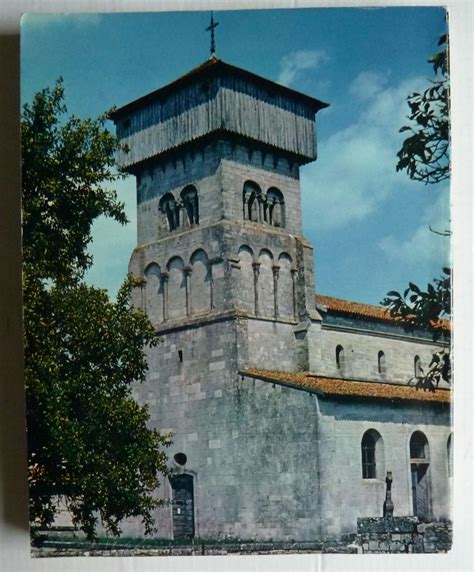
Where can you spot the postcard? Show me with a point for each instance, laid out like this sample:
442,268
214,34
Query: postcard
237,282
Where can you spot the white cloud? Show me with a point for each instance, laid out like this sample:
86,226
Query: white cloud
424,246
355,172
367,85
296,62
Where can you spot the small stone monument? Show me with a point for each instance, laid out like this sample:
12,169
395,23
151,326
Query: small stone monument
388,504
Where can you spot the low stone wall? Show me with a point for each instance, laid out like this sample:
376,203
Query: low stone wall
436,536
56,548
406,534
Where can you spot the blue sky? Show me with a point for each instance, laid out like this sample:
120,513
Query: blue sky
367,223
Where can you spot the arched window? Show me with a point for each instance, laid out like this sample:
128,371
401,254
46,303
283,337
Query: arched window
417,366
450,455
419,447
372,455
253,208
275,208
382,368
340,360
189,197
169,208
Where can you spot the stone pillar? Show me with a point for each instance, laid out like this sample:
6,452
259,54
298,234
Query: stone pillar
179,214
388,504
164,277
261,217
246,206
211,288
256,272
187,284
276,274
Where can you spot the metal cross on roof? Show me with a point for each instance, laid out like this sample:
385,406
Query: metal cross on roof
211,29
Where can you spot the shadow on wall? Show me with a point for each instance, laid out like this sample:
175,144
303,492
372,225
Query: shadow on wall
385,411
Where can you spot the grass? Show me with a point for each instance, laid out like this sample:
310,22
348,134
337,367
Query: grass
109,542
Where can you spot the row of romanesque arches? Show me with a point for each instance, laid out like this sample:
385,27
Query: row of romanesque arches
381,363
180,211
373,465
179,289
263,207
267,284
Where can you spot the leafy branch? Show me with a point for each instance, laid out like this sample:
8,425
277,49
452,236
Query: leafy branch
425,153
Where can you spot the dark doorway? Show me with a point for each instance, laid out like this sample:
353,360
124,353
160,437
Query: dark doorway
183,506
420,491
420,485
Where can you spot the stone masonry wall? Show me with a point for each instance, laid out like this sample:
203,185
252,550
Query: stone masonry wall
218,171
361,355
346,495
253,461
235,174
222,267
402,535
275,463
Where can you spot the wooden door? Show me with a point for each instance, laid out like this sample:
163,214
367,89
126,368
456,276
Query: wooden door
420,490
183,506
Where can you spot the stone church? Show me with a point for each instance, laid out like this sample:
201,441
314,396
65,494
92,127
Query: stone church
286,407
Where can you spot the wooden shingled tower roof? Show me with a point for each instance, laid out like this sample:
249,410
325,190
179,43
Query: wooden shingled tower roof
210,67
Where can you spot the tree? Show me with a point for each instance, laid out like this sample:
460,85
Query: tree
428,309
425,157
88,440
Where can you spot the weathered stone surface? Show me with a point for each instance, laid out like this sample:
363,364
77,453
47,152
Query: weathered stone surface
383,526
376,535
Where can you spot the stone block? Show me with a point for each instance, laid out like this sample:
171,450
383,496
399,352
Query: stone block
215,366
373,545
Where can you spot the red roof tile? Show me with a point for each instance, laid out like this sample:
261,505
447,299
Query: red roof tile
350,388
364,310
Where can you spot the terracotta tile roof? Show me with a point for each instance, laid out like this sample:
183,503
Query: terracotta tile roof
364,310
349,388
214,64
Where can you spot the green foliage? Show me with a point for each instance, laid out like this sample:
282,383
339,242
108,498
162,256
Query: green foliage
424,154
65,164
88,440
422,309
425,157
426,310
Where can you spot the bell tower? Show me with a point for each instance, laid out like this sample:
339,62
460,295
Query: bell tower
216,154
228,277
